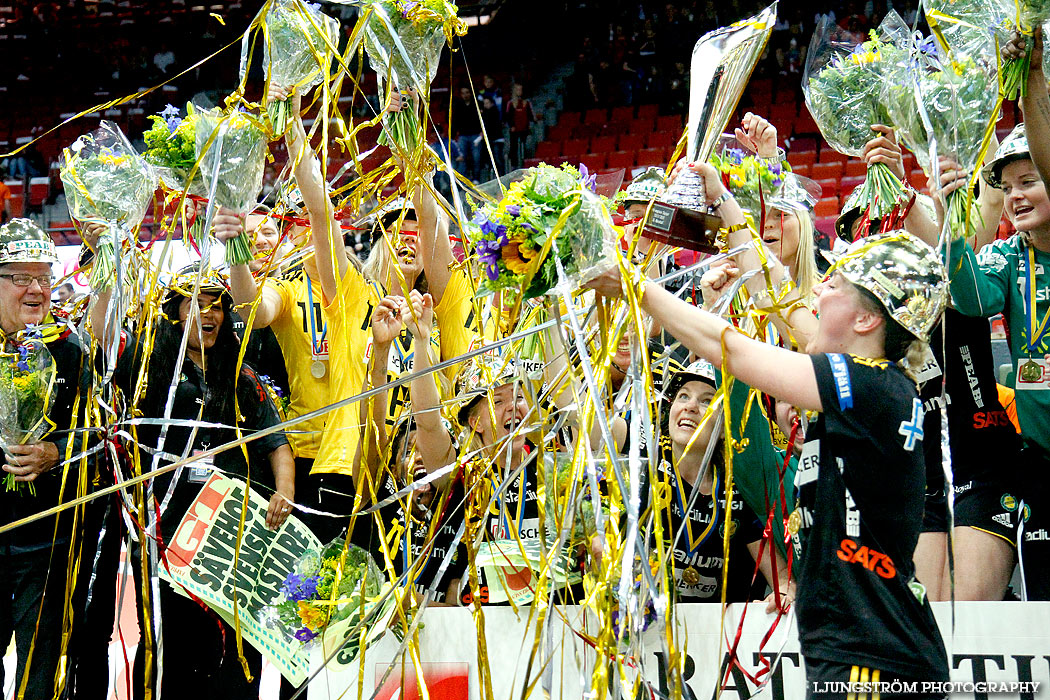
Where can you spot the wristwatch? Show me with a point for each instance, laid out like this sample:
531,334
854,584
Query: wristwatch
713,206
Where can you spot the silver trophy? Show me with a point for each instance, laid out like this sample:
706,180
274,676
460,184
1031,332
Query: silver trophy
721,66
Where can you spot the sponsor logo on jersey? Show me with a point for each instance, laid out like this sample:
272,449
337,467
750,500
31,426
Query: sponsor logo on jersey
852,553
1002,518
1040,535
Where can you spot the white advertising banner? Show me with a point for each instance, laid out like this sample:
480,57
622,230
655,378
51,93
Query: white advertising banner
997,650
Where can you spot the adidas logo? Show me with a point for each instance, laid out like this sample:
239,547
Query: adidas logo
1002,519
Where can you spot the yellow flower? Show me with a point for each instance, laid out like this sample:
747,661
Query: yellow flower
518,256
312,617
115,161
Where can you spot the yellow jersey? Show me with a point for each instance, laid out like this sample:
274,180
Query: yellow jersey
349,333
292,328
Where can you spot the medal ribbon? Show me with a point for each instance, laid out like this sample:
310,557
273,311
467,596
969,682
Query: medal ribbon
676,484
521,509
314,346
1035,335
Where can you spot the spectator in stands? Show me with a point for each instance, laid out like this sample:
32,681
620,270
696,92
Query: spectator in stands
519,117
466,124
580,92
5,200
491,91
63,293
490,118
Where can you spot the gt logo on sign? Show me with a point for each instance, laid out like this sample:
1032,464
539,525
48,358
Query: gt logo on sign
871,560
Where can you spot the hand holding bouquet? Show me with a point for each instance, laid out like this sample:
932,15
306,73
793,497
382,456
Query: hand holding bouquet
843,85
403,40
297,51
171,150
551,213
108,182
233,146
27,377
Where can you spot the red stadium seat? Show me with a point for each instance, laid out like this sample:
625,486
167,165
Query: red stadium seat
804,123
827,207
830,155
560,132
802,170
848,184
799,158
829,187
651,156
631,142
663,139
596,116
804,143
603,144
622,114
548,149
648,111
671,122
855,168
576,147
593,161
621,159
569,118
642,125
532,162
823,171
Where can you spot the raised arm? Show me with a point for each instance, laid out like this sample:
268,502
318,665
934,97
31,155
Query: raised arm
332,261
386,324
784,374
1036,106
433,247
245,290
432,438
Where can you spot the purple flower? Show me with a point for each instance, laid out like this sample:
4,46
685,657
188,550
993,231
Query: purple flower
305,634
170,111
736,155
406,7
489,255
298,587
588,179
514,210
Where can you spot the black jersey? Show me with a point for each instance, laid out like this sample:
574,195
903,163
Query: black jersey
697,552
982,436
860,481
426,537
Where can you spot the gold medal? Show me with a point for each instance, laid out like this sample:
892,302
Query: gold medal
1031,371
794,522
691,576
317,369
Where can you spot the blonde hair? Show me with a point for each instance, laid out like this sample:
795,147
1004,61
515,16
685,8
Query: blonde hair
380,266
914,358
806,255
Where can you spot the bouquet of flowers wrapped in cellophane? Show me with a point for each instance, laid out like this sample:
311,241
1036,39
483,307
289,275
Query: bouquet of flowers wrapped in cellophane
981,27
403,40
171,150
300,43
234,145
339,583
751,180
27,377
842,84
551,215
106,181
959,98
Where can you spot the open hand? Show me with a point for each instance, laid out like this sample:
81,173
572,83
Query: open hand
758,135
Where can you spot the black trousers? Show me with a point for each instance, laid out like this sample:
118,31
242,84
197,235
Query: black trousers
824,679
199,657
32,587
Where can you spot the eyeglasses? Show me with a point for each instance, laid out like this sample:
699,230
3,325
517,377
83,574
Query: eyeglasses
24,280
